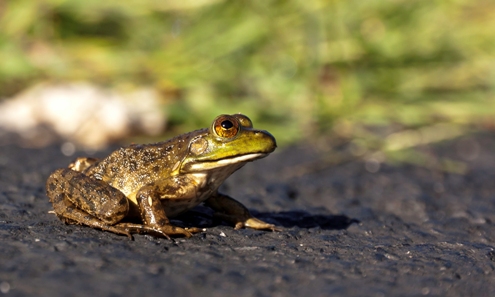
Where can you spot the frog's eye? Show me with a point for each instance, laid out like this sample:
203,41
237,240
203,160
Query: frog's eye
226,126
244,120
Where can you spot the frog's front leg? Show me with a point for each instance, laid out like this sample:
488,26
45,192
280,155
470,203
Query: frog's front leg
79,199
233,211
152,212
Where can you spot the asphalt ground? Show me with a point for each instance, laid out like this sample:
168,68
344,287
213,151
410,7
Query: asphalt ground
350,228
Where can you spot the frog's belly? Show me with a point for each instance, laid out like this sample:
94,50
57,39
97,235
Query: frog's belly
191,197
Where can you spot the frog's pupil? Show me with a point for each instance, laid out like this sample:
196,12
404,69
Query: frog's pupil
227,124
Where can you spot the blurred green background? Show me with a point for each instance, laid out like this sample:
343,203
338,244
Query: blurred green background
298,68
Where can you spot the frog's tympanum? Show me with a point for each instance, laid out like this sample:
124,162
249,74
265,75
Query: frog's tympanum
155,182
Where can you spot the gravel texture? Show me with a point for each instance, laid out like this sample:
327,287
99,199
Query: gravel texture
351,228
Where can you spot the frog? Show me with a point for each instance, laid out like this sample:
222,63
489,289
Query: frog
137,189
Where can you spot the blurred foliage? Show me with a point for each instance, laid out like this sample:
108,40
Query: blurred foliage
296,67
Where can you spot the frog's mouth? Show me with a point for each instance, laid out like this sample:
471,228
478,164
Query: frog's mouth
212,164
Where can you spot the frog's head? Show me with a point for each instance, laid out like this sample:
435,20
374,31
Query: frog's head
230,141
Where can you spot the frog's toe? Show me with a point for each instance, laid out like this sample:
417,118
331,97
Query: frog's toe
270,227
239,225
257,224
170,230
126,233
194,230
117,230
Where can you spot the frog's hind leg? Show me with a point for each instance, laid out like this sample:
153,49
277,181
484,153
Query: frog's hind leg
79,199
231,210
68,213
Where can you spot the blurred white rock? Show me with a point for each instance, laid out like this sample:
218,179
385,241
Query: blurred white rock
86,115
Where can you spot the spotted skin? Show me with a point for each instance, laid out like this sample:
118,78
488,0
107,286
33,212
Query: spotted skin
155,182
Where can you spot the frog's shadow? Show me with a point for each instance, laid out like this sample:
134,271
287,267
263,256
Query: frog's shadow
202,217
303,219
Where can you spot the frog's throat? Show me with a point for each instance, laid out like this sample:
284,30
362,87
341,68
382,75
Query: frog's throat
207,165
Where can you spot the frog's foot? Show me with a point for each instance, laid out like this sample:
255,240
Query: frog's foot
194,230
73,215
165,230
81,164
257,224
251,222
233,211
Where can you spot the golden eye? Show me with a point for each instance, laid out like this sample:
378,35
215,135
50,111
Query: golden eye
244,120
226,126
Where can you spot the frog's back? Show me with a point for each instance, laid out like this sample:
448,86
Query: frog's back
130,168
